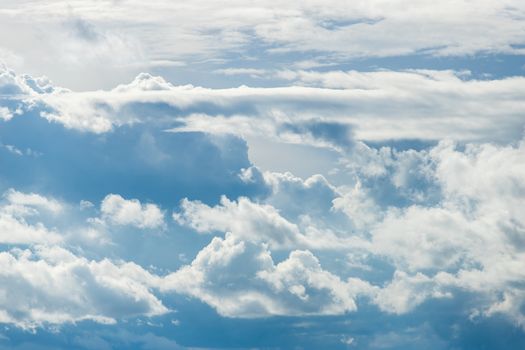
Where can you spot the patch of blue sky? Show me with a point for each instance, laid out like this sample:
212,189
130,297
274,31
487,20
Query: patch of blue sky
137,161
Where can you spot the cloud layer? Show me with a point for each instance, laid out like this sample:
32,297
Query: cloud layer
310,175
117,38
373,106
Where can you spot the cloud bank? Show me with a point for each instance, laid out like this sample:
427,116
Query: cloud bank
122,205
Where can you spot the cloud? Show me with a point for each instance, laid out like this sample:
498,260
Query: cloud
252,72
33,200
240,279
396,224
13,85
427,238
243,218
470,241
359,206
296,197
388,198
258,223
16,230
145,82
429,215
50,285
17,208
341,108
5,114
468,238
404,292
119,211
131,32
480,188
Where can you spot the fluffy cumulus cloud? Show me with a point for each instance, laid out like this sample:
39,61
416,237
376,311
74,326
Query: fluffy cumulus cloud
240,279
44,283
53,286
244,219
119,211
25,200
471,240
296,197
468,239
459,243
263,223
17,218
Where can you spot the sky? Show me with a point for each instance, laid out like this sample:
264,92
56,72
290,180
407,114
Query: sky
262,175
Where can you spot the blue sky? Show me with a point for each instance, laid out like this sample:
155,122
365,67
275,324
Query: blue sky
308,175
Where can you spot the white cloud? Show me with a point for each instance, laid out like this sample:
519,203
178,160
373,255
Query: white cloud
16,230
426,238
145,82
17,208
240,279
33,200
383,105
119,211
30,218
261,223
46,284
85,205
482,188
358,206
471,240
126,33
50,285
12,149
12,84
243,218
470,237
295,196
5,114
404,292
252,72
